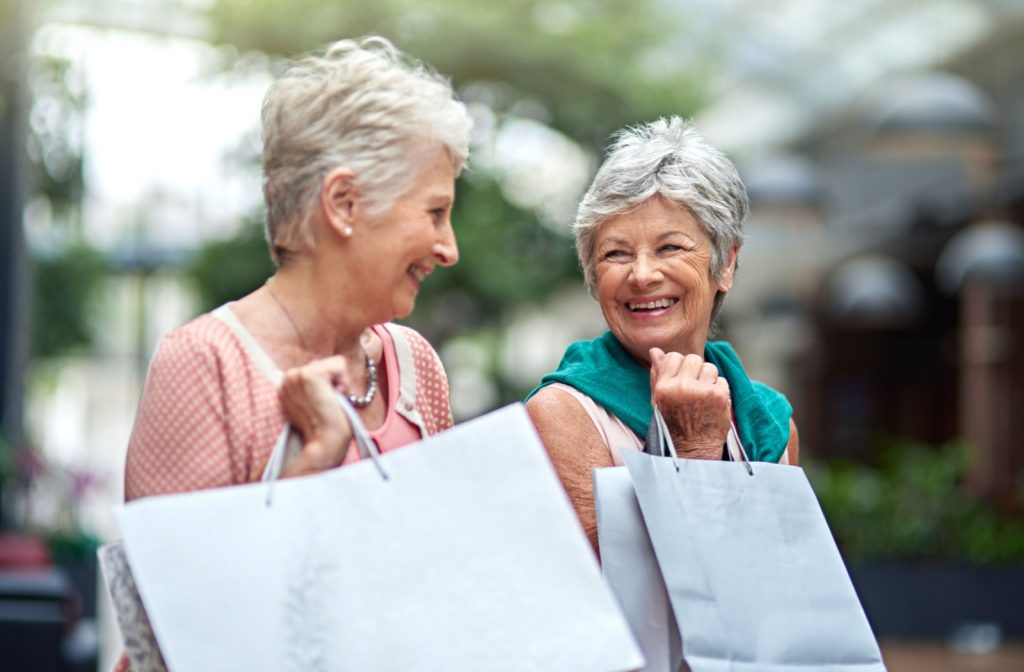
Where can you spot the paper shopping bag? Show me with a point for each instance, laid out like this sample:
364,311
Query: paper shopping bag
136,632
631,570
460,552
753,575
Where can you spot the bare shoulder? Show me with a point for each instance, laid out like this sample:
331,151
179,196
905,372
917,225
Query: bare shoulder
552,402
567,431
555,412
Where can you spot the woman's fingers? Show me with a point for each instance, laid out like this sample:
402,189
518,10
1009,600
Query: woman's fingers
690,366
334,369
708,372
309,400
656,355
695,402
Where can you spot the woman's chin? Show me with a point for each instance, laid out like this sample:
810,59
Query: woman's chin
403,310
639,345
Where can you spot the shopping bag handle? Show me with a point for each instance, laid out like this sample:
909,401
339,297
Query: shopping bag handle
364,444
662,437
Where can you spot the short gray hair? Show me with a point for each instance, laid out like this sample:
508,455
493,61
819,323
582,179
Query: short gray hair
667,157
360,104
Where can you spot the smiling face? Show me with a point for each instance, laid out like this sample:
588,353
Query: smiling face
407,242
652,272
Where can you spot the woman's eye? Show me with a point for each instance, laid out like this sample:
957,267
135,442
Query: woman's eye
669,248
615,254
437,214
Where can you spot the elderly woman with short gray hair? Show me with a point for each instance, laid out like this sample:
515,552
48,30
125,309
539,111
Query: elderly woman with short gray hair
658,234
361,148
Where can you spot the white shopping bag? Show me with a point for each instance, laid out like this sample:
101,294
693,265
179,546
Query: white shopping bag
460,552
631,570
752,571
136,632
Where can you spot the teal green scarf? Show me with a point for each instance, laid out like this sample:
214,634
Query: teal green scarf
604,371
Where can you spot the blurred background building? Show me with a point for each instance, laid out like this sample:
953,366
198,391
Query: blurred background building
881,285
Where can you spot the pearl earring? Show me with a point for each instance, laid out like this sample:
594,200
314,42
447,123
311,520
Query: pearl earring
347,231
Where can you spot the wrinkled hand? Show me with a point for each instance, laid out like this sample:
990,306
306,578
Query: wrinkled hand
694,401
308,397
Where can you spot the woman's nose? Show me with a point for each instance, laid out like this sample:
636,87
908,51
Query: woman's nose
446,250
646,270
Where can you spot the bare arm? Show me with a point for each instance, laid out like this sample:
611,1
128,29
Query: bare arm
575,448
793,447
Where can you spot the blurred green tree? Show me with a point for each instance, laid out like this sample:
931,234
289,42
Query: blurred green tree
591,67
66,287
581,70
67,273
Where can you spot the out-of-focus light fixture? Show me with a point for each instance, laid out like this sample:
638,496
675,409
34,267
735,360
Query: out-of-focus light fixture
782,180
933,103
873,292
937,117
987,251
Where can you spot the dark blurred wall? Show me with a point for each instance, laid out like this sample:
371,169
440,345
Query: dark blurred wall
13,268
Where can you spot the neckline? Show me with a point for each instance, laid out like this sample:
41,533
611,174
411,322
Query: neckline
275,375
263,360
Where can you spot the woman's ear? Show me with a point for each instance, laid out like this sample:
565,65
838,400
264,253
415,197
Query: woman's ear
339,200
726,276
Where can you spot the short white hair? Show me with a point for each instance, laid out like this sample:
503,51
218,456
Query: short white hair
670,158
361,104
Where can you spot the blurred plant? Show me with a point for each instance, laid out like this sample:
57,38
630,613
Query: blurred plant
578,73
65,286
914,506
47,499
507,258
67,272
56,122
228,269
586,69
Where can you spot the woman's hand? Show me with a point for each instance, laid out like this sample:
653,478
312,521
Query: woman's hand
308,397
694,401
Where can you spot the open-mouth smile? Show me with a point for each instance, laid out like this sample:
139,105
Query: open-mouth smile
651,306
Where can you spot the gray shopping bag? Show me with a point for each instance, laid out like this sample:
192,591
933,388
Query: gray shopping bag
631,570
460,552
752,571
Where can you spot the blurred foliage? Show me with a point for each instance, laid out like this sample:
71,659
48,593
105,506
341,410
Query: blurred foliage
36,478
582,71
68,273
588,68
70,546
914,506
513,260
507,258
65,287
225,270
56,122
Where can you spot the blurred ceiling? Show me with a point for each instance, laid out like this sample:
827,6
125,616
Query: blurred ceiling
783,66
789,64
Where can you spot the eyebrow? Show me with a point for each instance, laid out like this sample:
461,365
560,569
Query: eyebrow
674,232
623,241
611,241
441,200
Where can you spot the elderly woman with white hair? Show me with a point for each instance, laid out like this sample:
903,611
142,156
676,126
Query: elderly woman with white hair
658,234
361,148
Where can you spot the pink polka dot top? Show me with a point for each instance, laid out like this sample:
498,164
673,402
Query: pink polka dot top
209,414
